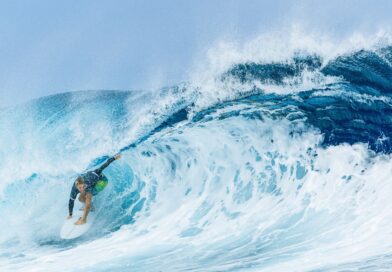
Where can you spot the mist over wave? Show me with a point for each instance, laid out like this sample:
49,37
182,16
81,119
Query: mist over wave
264,161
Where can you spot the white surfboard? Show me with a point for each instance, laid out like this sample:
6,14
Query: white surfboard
70,230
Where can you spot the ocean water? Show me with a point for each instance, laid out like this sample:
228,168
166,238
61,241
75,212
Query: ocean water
261,162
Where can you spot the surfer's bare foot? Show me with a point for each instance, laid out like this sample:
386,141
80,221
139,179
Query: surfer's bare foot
69,216
80,222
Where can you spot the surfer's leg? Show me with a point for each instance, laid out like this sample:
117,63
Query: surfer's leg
92,208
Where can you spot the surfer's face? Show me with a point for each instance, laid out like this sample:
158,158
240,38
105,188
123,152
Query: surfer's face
81,187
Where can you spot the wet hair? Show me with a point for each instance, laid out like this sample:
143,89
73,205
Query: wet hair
79,181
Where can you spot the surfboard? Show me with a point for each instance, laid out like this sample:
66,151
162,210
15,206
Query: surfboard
72,231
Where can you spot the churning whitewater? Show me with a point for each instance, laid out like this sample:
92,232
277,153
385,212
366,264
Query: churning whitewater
278,165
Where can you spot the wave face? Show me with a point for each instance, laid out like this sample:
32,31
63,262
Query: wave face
280,175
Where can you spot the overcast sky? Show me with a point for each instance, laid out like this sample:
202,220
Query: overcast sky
50,46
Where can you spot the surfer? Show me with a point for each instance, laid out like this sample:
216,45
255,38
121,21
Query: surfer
88,185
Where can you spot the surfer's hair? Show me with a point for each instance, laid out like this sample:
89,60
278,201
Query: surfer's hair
79,181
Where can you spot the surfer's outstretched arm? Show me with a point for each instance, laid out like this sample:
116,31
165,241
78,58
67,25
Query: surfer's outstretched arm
106,164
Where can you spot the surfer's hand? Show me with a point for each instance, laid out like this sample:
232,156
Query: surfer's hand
80,221
117,156
69,216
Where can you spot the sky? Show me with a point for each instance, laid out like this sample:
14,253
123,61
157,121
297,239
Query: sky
49,47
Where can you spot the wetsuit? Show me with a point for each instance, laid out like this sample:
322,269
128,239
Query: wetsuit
95,182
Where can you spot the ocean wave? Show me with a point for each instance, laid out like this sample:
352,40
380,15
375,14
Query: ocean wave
278,164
